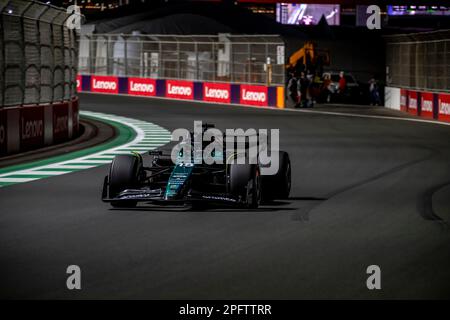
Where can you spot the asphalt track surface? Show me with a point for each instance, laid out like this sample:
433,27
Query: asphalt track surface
365,191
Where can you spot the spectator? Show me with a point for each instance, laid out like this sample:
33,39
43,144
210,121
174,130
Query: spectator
316,87
303,85
325,90
293,89
342,86
374,92
309,90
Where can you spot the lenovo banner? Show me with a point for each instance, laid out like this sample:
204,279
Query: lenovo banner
403,100
444,107
412,102
253,95
426,103
104,84
179,89
79,82
217,92
31,127
142,86
60,122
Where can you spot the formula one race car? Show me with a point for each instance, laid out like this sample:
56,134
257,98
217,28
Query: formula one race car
189,184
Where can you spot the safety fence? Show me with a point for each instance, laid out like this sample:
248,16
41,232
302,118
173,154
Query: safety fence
212,92
38,67
249,59
425,104
419,61
418,74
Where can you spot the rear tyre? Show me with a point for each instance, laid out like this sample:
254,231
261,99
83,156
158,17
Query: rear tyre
278,186
245,182
254,190
123,174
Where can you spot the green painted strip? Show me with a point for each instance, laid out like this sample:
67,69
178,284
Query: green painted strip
30,176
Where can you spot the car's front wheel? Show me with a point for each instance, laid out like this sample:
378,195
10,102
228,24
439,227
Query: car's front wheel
123,174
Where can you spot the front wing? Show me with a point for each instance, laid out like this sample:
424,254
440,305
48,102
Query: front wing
156,196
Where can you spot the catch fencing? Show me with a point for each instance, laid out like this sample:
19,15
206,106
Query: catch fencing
38,54
223,58
38,72
419,61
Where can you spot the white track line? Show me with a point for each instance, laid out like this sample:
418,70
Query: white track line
68,166
17,180
32,172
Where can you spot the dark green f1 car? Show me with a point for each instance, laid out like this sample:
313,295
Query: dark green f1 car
188,184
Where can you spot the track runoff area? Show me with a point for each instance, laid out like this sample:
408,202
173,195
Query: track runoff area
132,136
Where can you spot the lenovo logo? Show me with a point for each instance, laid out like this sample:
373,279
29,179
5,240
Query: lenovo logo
179,90
32,129
444,107
427,105
105,85
217,93
403,100
254,95
142,87
412,103
61,124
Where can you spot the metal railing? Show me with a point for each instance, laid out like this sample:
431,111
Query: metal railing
223,58
419,61
38,54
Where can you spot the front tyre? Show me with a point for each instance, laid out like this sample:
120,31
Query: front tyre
123,174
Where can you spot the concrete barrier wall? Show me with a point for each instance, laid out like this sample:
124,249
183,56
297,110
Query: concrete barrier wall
25,128
392,98
212,92
429,105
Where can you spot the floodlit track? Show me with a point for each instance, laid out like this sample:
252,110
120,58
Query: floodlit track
365,191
